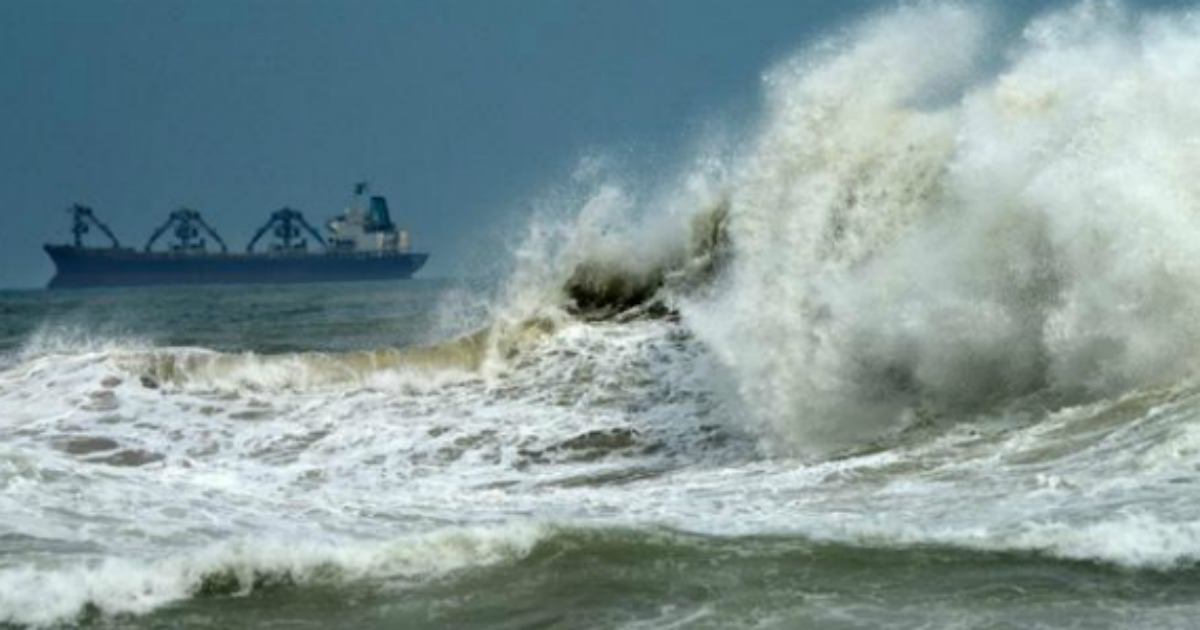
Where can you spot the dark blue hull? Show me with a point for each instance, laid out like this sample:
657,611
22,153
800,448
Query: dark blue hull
83,267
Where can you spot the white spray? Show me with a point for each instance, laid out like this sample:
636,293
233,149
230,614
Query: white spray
896,260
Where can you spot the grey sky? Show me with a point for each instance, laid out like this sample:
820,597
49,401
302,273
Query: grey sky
459,111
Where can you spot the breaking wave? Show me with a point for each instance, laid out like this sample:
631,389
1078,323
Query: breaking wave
914,235
50,595
945,270
109,589
917,236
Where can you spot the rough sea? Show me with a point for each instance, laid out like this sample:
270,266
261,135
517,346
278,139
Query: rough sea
920,349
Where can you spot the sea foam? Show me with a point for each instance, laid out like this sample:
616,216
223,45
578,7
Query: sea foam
44,595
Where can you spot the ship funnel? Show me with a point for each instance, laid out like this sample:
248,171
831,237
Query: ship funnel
380,220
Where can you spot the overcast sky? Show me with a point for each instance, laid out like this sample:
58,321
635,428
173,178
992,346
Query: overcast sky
459,111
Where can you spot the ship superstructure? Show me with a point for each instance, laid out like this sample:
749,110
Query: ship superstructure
362,244
367,227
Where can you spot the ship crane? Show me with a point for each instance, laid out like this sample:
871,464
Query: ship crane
187,224
81,217
285,222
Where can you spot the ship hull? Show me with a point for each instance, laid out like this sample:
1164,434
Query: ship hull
83,267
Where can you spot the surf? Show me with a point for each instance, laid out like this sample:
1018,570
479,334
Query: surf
916,234
930,314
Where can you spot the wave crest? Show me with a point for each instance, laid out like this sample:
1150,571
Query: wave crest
43,596
914,238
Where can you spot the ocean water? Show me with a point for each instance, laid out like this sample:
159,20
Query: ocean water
920,350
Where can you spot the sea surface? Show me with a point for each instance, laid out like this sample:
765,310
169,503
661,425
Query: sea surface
919,349
272,457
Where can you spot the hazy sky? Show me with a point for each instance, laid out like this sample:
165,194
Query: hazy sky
461,112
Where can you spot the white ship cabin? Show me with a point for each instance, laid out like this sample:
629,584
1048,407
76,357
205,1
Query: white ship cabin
367,228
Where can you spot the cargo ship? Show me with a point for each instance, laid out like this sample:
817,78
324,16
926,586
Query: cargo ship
361,244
